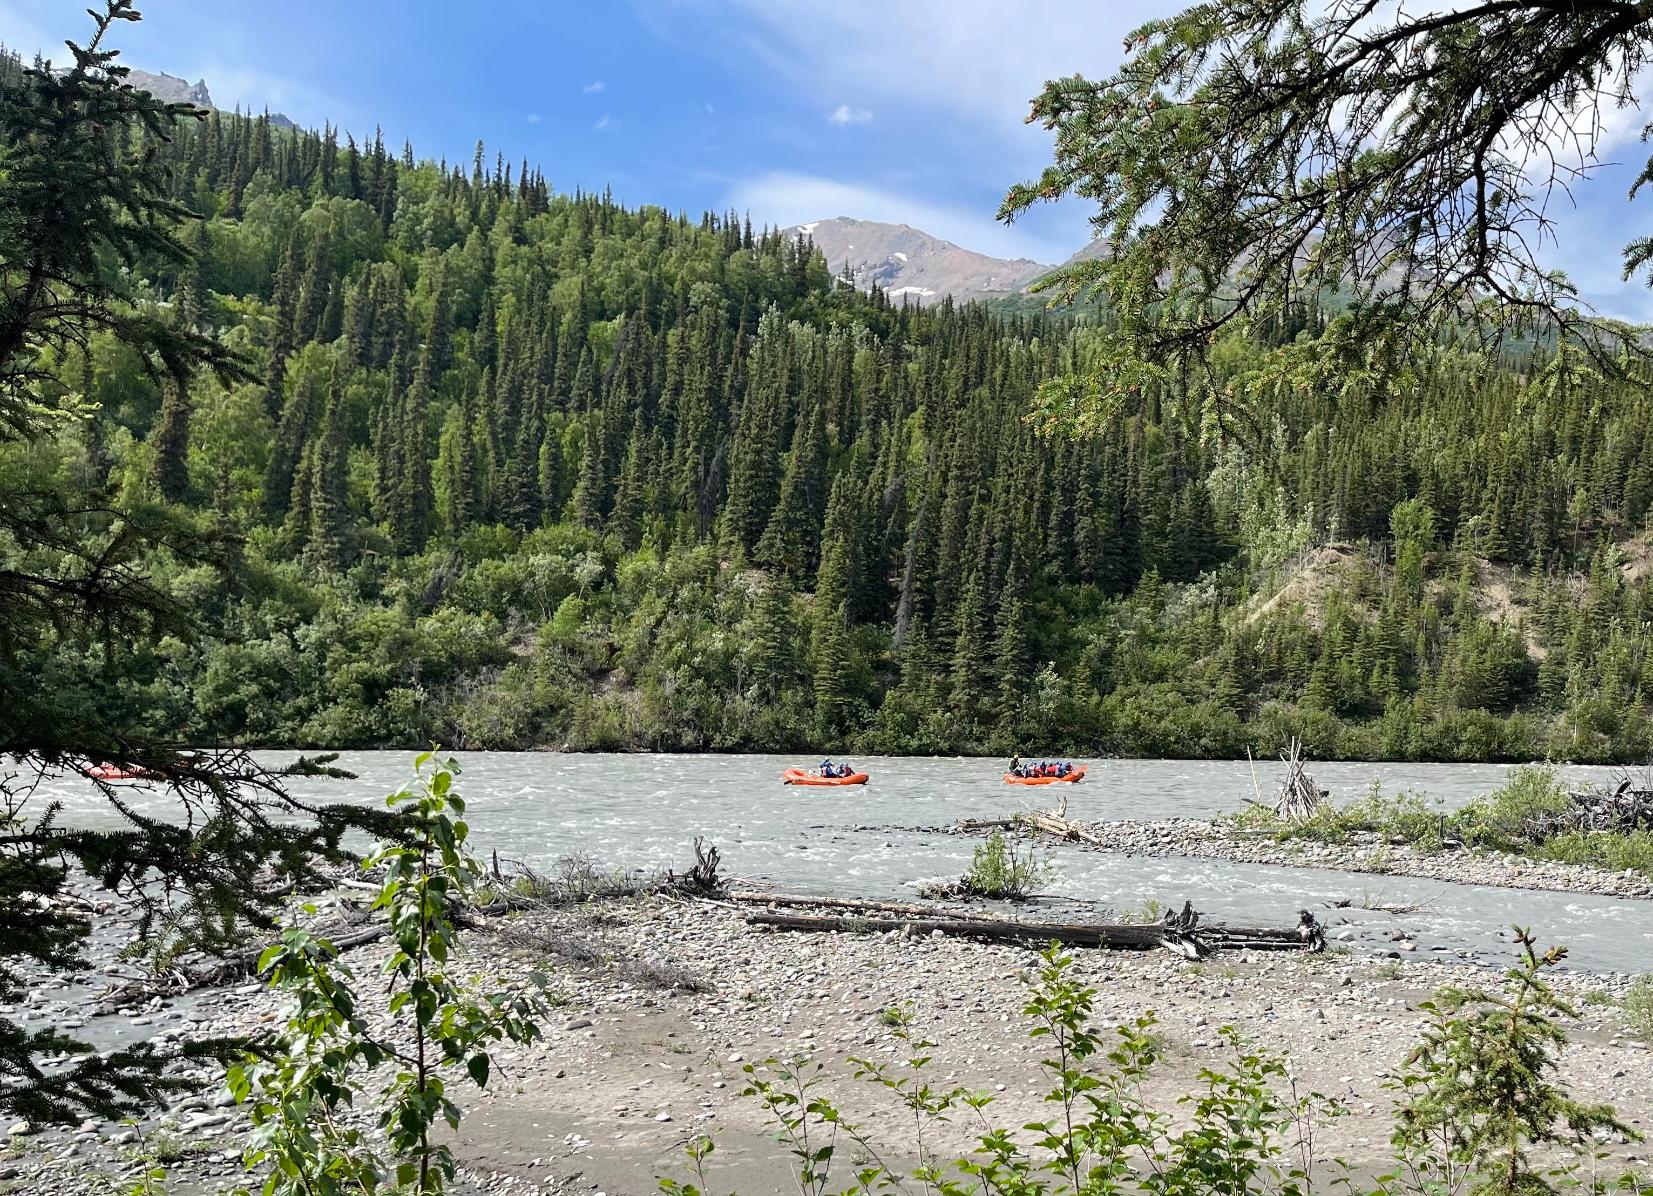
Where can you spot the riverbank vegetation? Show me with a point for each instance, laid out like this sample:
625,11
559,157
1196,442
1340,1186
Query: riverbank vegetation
508,468
1528,815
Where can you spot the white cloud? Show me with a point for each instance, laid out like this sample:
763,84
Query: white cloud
594,87
785,199
605,122
980,57
843,114
534,118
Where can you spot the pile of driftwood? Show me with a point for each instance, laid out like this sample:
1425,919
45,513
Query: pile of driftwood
1300,798
1182,932
1053,823
1620,810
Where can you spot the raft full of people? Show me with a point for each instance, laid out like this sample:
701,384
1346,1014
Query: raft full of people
830,773
1042,772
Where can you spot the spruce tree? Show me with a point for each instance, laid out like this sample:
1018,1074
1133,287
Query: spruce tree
299,416
285,332
774,639
169,443
1011,655
455,473
1234,136
829,654
329,514
626,519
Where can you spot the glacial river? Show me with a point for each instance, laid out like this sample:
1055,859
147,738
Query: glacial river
643,811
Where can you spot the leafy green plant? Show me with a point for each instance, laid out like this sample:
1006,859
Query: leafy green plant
1520,817
1638,1006
150,1154
1617,851
1001,869
299,1091
1505,817
1399,818
1149,912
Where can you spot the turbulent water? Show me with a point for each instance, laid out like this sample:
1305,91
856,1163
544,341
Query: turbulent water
643,811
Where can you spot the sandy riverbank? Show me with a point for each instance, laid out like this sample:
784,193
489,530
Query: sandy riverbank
671,999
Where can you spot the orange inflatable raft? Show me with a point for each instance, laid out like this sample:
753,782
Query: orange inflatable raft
1078,774
797,776
114,772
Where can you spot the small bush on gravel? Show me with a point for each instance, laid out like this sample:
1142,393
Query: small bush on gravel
1004,870
1512,818
1149,912
1504,818
1401,818
1638,1006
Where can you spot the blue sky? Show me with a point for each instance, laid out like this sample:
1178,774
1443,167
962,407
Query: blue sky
902,110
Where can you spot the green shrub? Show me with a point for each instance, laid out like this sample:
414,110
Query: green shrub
1638,1006
1481,1100
1504,817
1148,913
1402,818
432,1023
1003,870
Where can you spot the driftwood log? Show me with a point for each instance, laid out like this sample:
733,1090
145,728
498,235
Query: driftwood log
1048,822
858,904
1182,933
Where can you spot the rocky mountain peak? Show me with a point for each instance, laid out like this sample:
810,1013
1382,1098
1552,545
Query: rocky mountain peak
171,88
909,263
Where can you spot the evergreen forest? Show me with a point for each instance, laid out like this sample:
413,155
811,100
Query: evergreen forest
506,467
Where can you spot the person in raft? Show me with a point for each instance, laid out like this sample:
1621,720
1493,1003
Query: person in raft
1015,768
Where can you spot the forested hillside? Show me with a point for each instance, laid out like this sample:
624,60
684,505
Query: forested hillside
513,468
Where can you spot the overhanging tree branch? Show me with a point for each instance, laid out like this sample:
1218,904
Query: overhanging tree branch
1250,155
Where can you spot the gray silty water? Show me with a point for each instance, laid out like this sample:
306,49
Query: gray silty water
643,811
